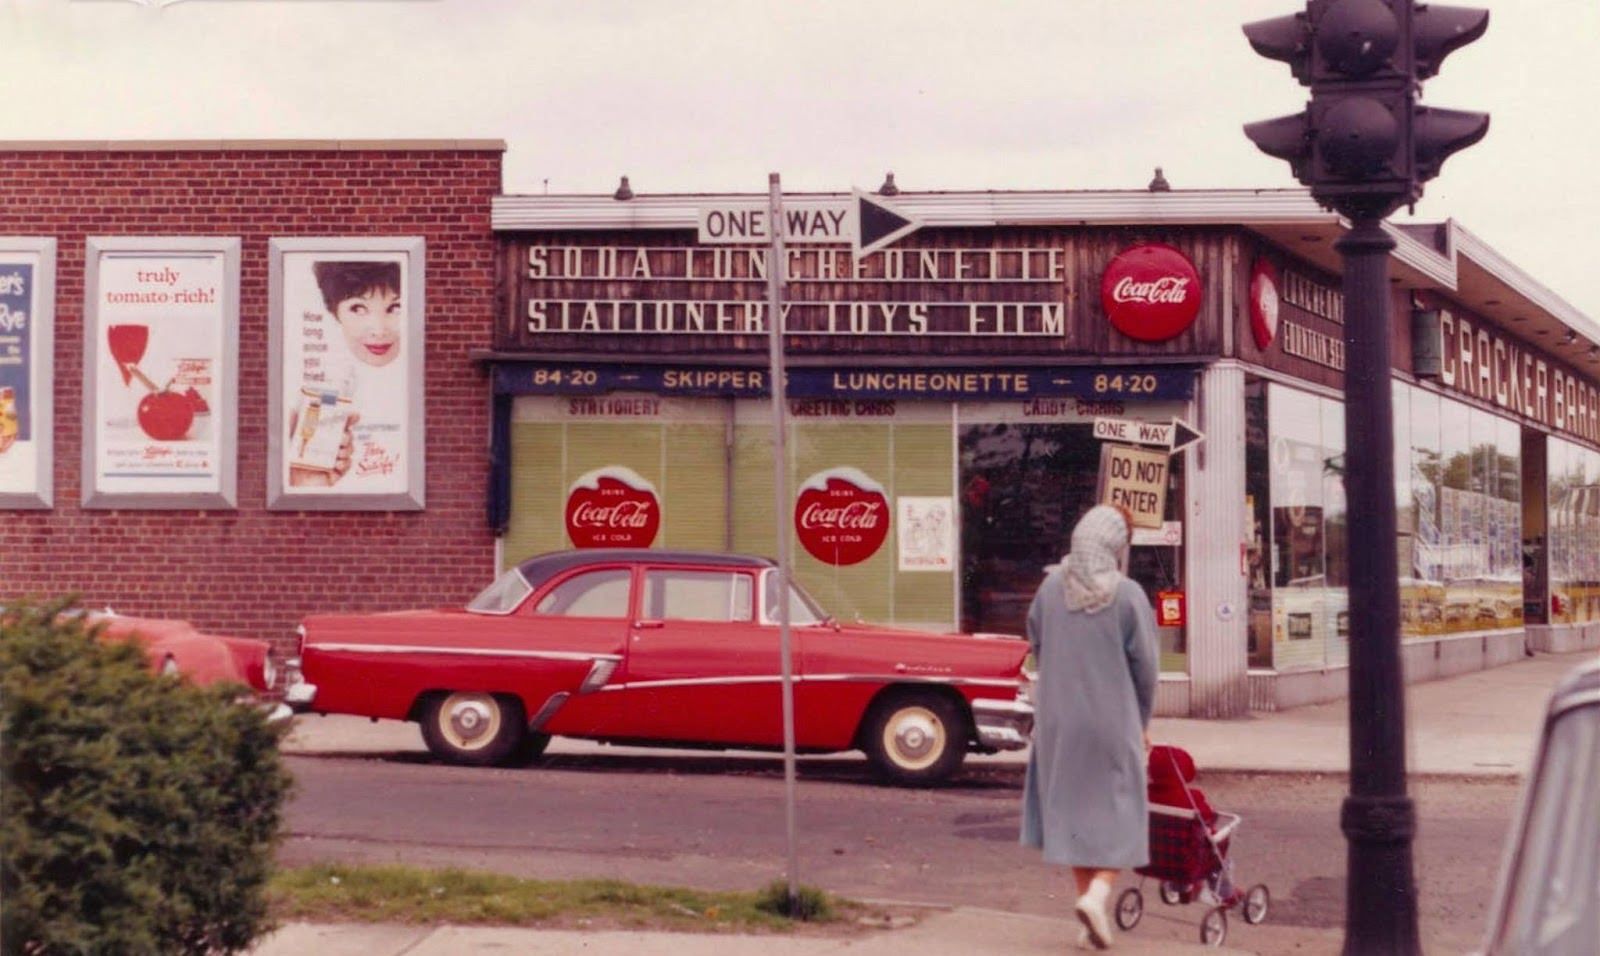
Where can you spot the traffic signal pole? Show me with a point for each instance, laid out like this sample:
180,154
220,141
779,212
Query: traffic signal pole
1378,818
1365,146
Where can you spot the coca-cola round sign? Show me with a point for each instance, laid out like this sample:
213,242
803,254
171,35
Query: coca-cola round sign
1264,302
841,516
612,507
1150,292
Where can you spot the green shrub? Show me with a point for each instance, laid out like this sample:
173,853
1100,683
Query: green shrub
138,814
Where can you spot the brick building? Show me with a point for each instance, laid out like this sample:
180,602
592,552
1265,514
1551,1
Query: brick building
241,556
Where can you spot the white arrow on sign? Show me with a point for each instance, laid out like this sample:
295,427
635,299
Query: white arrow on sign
1175,435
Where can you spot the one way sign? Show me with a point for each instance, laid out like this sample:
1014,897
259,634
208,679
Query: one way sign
1175,435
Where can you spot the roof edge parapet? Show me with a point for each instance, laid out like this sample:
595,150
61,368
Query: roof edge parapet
253,145
1465,243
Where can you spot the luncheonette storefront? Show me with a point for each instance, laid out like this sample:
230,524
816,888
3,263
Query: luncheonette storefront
965,374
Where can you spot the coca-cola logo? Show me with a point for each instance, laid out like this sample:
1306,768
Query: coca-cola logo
1264,302
841,516
612,508
1150,292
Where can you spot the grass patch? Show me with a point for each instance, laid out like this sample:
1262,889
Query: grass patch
402,894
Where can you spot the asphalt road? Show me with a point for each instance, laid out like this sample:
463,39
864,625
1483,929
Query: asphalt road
718,822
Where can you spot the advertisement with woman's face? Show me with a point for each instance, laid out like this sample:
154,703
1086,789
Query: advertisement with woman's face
349,373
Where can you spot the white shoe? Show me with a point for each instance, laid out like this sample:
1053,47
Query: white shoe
1094,922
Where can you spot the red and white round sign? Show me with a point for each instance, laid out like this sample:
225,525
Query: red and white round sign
612,507
1150,292
841,516
1264,302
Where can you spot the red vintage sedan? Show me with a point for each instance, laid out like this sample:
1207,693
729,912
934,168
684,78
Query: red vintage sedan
177,648
670,648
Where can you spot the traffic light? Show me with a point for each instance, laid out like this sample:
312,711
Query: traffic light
1363,144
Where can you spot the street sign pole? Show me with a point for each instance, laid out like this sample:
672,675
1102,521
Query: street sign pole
780,485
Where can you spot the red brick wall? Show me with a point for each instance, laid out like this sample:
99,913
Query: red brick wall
248,571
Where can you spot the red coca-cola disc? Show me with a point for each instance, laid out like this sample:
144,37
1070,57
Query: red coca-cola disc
1264,302
612,508
1150,292
841,516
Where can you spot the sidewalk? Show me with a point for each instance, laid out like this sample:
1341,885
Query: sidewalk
1479,724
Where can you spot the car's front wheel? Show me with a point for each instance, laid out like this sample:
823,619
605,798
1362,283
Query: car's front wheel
473,728
915,737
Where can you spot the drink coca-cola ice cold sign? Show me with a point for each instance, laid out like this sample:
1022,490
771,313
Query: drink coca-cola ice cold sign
1150,292
612,508
1264,301
841,516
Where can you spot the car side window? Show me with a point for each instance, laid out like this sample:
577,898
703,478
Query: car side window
671,594
1556,890
602,593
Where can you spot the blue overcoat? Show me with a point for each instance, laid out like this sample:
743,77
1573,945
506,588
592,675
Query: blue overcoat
1084,798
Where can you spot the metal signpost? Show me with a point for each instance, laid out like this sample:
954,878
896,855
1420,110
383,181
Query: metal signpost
780,485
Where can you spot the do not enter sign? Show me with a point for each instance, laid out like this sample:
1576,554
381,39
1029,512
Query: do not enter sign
1136,479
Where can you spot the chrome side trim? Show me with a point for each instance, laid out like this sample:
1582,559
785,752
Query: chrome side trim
555,703
462,651
599,672
814,679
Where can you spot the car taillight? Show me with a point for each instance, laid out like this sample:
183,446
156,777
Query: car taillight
269,671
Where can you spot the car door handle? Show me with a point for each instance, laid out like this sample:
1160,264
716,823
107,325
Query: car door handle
652,625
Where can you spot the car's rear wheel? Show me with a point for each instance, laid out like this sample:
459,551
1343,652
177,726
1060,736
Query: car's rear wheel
915,737
473,728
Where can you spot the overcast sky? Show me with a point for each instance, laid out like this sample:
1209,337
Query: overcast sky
713,95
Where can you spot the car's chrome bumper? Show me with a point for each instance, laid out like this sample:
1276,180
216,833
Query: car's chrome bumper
298,694
1002,724
278,714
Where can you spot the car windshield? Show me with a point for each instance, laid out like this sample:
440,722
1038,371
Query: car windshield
802,610
1554,891
507,592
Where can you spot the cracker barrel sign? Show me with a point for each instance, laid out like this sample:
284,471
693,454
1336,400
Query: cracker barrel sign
1135,478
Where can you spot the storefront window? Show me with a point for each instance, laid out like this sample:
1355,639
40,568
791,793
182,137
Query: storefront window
1258,515
1422,590
1461,517
1024,482
928,515
875,453
1310,597
1574,533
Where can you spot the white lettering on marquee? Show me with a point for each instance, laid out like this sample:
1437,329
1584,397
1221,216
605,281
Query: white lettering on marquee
1481,364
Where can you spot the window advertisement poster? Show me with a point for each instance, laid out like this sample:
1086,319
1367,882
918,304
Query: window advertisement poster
27,311
346,414
926,532
161,353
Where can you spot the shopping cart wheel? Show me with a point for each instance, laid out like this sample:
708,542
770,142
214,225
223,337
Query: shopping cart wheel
1214,928
1171,892
1130,908
1256,903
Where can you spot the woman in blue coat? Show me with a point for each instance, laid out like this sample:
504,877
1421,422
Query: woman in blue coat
1094,642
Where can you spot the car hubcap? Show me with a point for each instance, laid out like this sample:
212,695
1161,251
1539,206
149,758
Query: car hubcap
917,737
470,720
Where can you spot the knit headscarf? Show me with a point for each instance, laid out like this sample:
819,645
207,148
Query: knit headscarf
1099,552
